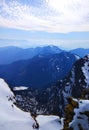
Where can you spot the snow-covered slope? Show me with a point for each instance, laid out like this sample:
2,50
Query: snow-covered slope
77,115
50,122
12,118
81,117
78,79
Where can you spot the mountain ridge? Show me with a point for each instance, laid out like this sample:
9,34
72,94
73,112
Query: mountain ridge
11,54
80,52
38,71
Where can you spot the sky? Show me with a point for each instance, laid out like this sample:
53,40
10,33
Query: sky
31,23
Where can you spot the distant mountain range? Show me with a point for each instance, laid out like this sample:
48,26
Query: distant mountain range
80,52
36,67
38,71
11,54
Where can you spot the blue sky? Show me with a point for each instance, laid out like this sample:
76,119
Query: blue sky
31,23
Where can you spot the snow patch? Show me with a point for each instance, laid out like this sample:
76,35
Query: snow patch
85,70
20,88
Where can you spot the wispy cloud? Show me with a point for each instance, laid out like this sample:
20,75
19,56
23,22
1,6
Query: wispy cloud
47,15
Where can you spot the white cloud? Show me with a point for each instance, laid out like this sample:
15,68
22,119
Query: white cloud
54,16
